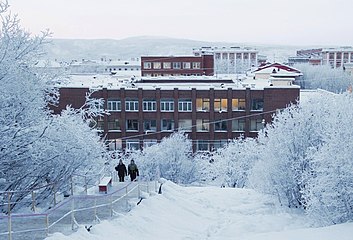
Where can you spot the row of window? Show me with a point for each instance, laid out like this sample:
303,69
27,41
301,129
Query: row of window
172,65
202,125
134,144
185,105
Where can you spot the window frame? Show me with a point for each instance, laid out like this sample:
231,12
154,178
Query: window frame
184,105
164,103
131,103
135,122
149,105
112,102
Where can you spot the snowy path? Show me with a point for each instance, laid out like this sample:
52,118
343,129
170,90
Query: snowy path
192,213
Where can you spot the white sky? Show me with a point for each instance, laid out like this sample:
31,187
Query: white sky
293,22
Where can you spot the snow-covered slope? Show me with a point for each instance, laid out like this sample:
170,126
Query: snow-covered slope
208,213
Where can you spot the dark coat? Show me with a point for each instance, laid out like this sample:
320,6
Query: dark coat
133,171
121,169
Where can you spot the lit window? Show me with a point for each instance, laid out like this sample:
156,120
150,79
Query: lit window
196,65
185,105
176,65
185,124
150,125
186,65
167,65
114,105
149,105
167,125
115,144
157,65
238,104
220,104
131,105
147,65
114,125
256,125
203,104
202,125
238,125
220,126
132,125
257,104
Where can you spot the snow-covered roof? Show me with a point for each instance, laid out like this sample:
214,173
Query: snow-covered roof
269,68
166,83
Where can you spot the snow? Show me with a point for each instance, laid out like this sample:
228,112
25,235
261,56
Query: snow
209,213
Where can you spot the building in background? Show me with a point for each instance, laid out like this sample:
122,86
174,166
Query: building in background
210,110
155,66
230,60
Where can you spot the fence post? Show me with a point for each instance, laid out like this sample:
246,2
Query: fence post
9,213
54,192
86,185
33,201
72,185
47,224
138,190
73,213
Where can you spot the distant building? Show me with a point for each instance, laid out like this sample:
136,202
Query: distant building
230,60
211,111
277,73
155,66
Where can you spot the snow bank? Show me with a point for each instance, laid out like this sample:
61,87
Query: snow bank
207,213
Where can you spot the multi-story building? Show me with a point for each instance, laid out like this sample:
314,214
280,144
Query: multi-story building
230,60
210,110
337,57
154,66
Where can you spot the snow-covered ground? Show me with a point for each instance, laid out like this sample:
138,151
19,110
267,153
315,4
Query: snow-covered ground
209,213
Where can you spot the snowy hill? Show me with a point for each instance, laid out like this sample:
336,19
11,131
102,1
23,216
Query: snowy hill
69,49
209,213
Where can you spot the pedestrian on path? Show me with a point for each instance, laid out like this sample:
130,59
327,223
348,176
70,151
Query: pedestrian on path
133,170
121,169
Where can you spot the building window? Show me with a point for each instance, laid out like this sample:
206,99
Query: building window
220,143
203,104
150,125
167,125
220,104
202,125
100,125
157,65
196,65
114,105
167,65
203,145
185,105
115,144
147,65
220,126
176,65
186,65
149,105
114,125
238,125
185,124
167,105
132,125
256,125
238,104
132,144
149,142
131,105
257,104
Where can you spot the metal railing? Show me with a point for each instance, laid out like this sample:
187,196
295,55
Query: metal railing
66,213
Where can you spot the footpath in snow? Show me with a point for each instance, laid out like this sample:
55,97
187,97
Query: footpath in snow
208,213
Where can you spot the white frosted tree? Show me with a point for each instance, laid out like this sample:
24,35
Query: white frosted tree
37,148
171,159
324,77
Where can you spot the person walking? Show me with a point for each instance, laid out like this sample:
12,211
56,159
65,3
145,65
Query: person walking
121,169
133,170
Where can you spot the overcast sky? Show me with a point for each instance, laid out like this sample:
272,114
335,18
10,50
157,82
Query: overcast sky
293,22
